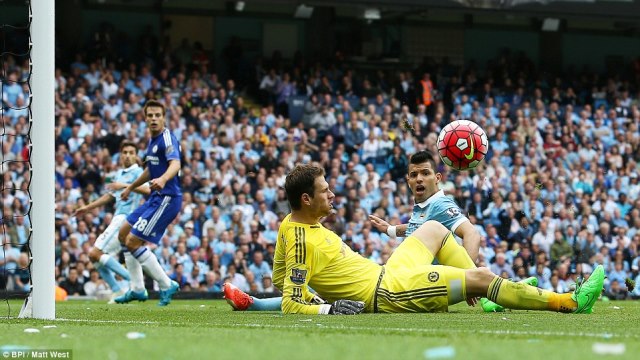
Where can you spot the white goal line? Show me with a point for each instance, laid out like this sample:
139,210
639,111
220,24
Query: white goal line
603,335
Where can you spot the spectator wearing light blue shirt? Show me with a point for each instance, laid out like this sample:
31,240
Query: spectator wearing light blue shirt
617,273
225,248
165,243
259,267
8,257
271,233
193,241
543,273
501,265
491,214
12,90
487,253
21,227
603,132
20,109
465,107
182,257
499,144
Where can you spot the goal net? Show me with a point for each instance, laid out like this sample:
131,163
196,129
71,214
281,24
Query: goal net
20,183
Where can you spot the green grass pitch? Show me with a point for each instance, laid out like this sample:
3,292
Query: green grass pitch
208,329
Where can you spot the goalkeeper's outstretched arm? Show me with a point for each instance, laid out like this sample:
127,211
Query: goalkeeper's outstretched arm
293,275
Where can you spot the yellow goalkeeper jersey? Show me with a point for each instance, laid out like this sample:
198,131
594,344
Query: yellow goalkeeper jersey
313,256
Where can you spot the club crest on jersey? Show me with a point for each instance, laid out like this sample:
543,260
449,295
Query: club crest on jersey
154,149
453,212
433,276
298,276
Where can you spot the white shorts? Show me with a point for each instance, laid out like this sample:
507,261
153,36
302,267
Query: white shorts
108,242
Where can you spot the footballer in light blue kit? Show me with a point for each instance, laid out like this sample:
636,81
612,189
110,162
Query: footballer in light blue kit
148,222
431,204
438,207
106,248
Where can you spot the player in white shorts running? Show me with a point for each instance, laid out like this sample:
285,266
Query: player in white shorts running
106,248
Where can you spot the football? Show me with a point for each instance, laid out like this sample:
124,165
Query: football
462,144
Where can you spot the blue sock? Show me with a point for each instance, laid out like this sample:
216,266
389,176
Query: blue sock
269,304
113,265
108,277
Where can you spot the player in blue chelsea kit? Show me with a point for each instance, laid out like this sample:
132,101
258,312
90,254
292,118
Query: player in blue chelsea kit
106,248
148,222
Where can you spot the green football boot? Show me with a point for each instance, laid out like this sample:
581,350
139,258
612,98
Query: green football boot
490,306
587,292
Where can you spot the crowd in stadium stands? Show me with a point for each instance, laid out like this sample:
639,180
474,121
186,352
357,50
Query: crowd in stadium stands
557,194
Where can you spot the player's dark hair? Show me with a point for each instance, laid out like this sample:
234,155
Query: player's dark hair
301,180
423,156
126,143
153,103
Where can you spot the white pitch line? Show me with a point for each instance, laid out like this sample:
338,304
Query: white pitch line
365,328
110,321
435,331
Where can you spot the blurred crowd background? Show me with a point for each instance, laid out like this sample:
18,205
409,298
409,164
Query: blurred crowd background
557,194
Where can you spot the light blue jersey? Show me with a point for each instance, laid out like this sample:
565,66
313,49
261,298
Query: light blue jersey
127,176
438,207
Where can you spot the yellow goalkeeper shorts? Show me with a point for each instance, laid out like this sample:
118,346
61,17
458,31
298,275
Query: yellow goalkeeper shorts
411,284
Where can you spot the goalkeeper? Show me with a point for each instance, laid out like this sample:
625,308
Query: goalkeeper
308,254
430,204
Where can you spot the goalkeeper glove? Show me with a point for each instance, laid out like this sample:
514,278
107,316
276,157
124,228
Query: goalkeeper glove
346,307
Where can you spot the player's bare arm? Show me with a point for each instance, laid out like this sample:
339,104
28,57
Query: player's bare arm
470,239
143,178
114,186
101,201
383,226
159,183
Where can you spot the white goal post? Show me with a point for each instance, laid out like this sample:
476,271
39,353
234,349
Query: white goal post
42,186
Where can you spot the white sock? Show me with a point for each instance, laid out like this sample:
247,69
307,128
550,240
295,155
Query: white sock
152,267
135,272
